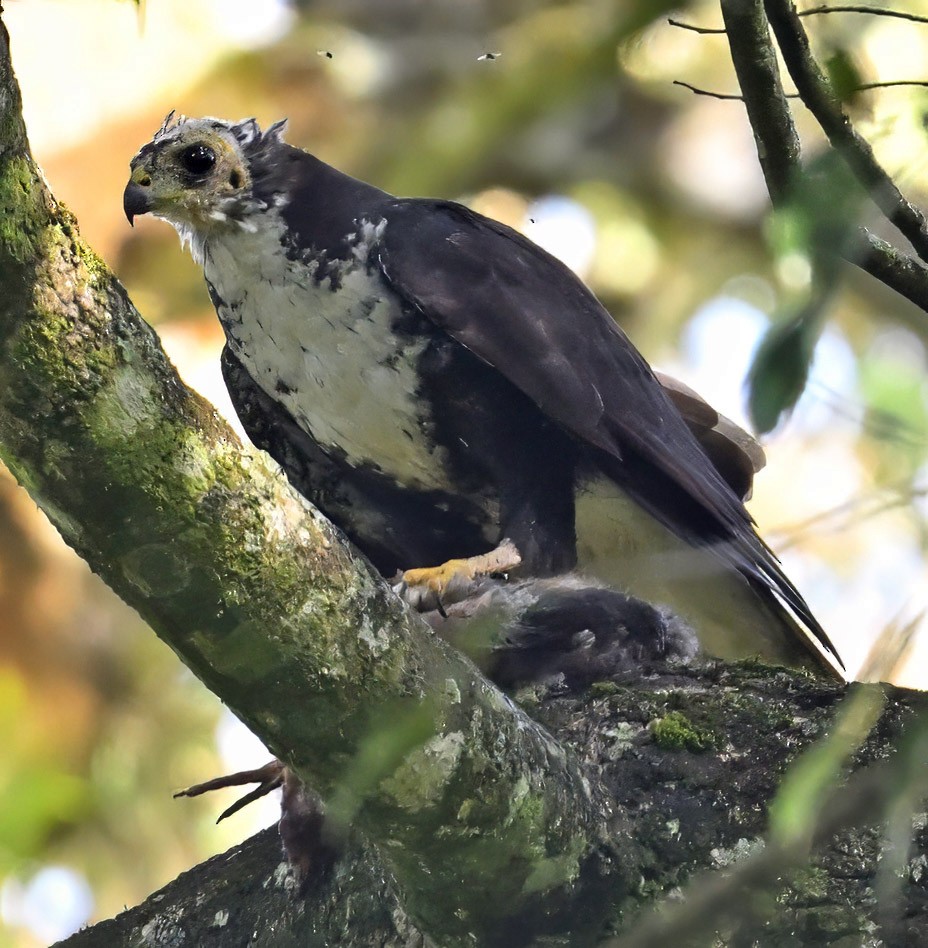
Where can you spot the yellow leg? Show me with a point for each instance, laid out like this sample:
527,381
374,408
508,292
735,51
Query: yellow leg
426,587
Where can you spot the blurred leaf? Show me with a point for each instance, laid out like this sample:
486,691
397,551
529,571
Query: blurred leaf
394,733
807,235
796,808
33,803
844,74
820,214
902,815
780,368
894,393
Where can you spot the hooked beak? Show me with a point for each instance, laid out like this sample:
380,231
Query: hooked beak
135,201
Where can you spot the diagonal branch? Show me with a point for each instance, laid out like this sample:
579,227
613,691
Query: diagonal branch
864,87
897,270
821,100
779,151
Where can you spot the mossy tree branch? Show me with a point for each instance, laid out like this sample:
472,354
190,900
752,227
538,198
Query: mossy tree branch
259,595
690,759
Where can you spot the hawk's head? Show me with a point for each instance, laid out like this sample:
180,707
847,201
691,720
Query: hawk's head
198,174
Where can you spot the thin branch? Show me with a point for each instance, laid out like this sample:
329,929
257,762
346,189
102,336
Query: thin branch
870,11
819,97
886,85
812,11
728,96
845,516
879,424
695,29
734,97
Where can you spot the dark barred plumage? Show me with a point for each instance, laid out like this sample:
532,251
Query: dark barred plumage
434,382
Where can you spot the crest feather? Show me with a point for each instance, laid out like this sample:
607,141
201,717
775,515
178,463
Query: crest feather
168,124
276,131
246,131
249,135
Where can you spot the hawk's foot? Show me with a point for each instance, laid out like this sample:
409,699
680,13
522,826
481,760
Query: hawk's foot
428,588
269,777
307,845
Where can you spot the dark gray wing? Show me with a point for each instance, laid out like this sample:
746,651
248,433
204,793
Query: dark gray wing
525,313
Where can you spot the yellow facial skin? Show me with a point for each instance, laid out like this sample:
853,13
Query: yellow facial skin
176,180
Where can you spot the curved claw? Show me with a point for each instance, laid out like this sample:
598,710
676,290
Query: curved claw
269,777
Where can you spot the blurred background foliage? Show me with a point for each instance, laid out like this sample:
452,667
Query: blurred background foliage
571,129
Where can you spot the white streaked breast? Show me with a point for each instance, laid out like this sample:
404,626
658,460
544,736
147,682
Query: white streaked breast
329,357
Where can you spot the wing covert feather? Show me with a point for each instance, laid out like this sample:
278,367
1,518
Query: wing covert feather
524,312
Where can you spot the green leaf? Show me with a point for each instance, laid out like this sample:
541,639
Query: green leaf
394,734
819,216
780,369
844,75
32,806
796,809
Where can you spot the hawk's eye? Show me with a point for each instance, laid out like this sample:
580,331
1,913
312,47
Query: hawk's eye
198,159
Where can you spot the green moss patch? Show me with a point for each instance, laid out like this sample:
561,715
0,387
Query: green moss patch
676,732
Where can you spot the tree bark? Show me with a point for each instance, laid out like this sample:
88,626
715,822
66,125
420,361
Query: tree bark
248,896
690,760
